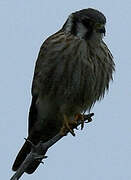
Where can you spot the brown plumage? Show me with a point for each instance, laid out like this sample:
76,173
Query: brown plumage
73,71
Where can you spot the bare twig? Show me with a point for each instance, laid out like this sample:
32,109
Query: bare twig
36,150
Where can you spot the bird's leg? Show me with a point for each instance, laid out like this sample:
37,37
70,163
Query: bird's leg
68,126
81,118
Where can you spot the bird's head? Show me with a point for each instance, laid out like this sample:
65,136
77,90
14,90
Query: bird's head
86,24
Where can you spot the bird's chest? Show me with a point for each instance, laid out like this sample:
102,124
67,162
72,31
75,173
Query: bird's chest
94,78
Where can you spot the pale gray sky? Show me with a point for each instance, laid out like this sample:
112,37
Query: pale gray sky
102,151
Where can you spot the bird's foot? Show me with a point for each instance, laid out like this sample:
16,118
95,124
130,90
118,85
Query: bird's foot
68,126
80,117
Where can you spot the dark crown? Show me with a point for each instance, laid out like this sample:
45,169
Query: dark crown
92,14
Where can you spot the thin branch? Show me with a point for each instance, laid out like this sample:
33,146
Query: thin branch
36,150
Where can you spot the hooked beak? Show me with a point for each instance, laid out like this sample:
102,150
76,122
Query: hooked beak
102,30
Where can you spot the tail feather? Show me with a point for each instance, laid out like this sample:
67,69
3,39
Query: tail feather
32,167
25,150
21,156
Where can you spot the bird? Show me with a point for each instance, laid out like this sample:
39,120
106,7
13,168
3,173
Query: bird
73,70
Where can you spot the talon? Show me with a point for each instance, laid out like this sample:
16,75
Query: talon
88,118
45,157
42,162
72,132
80,117
68,126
